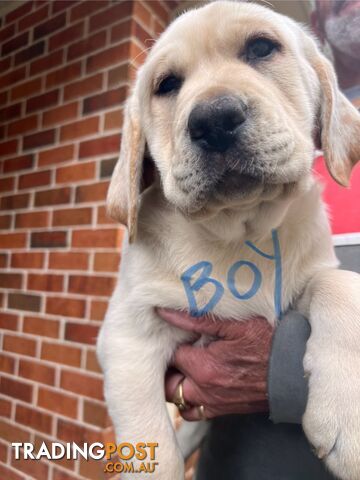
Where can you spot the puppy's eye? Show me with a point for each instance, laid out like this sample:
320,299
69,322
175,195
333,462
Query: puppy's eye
169,84
260,48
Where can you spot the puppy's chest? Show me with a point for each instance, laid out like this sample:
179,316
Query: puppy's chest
239,281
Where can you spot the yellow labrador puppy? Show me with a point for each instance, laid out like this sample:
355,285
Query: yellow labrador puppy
230,106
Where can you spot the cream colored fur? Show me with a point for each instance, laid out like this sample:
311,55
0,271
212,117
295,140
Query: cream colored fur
170,228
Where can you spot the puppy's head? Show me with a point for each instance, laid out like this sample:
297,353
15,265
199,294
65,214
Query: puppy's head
230,102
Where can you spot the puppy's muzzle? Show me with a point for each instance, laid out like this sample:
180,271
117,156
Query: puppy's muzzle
215,125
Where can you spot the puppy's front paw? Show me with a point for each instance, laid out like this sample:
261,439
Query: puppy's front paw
332,418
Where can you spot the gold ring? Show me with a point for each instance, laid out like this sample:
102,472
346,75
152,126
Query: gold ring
201,412
178,398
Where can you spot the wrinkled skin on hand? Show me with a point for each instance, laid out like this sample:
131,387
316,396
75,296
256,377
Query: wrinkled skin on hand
229,375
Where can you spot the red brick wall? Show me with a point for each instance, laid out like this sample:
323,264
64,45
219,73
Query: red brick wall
64,69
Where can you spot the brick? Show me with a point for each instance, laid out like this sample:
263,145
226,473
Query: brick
33,18
101,238
50,26
92,193
11,433
8,148
67,307
95,414
26,89
98,309
142,13
16,389
23,301
7,363
37,372
7,184
160,11
32,180
31,220
5,64
107,167
104,100
10,280
119,74
103,218
41,326
23,346
92,363
45,282
8,113
57,402
46,63
123,30
83,87
108,58
3,447
7,32
29,53
58,353
73,432
79,129
56,155
63,74
114,120
48,239
69,261
75,173
14,44
42,101
19,12
60,114
5,222
12,77
81,332
5,409
85,8
32,468
3,95
18,163
12,240
110,15
137,56
52,197
36,140
59,5
13,202
91,285
9,321
82,384
87,46
72,216
33,418
27,260
22,126
9,474
100,146
3,264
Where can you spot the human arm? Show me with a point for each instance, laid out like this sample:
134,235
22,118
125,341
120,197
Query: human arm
235,373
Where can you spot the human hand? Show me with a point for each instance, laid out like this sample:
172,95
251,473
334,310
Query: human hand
229,375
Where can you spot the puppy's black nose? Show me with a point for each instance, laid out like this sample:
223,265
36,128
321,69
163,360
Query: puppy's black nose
214,125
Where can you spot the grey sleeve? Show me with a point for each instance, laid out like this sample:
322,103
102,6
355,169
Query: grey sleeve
287,386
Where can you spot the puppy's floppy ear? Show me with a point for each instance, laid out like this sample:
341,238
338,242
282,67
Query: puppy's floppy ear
124,190
339,122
